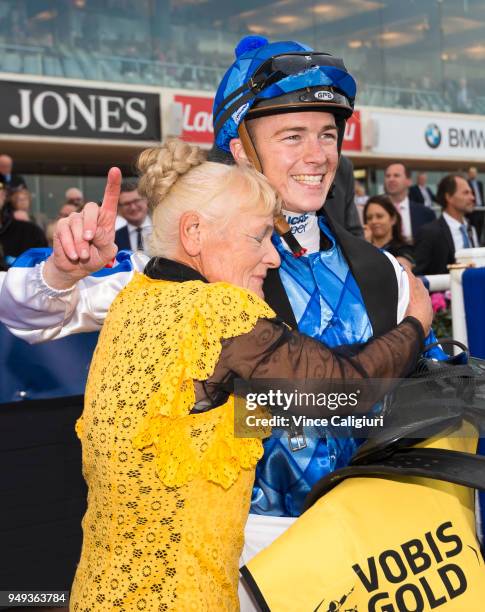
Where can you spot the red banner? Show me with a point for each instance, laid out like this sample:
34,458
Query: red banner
353,134
197,119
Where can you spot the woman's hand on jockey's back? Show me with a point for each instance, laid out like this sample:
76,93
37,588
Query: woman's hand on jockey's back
84,241
419,303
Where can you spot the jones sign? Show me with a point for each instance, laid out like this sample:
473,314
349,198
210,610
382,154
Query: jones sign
78,112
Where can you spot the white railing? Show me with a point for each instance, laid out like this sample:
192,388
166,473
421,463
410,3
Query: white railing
465,258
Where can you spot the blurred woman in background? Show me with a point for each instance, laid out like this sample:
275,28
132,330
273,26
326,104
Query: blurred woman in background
21,202
383,228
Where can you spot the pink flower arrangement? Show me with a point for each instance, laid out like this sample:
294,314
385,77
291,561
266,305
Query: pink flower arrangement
441,303
438,301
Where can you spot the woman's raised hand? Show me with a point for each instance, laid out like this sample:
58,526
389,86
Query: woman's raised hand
84,241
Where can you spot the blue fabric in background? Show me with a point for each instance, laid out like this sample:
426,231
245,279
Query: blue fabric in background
52,369
474,297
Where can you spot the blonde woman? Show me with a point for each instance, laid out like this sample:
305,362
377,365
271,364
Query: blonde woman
169,483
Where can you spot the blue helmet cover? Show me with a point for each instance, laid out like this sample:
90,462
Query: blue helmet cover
251,52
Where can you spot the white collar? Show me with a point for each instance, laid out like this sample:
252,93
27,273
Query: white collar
403,204
304,227
146,224
452,222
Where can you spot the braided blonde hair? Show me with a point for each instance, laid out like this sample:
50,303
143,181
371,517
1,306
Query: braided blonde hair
175,178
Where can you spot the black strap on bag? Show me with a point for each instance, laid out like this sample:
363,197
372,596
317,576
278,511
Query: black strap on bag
451,466
447,342
434,401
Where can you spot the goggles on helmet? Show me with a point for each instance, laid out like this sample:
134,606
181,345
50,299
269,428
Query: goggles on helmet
268,81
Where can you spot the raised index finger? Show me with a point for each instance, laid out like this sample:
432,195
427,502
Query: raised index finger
112,193
107,213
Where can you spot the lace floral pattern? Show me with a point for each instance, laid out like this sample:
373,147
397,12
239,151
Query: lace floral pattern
169,490
169,487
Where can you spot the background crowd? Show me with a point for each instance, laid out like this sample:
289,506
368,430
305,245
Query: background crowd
423,229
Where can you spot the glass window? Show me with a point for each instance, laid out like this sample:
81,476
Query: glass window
48,192
423,54
463,54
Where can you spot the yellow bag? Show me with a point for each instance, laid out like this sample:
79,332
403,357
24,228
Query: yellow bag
378,544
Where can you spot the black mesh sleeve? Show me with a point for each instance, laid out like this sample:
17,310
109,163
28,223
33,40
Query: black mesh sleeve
273,351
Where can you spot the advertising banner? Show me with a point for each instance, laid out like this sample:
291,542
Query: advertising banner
428,135
353,133
197,119
63,111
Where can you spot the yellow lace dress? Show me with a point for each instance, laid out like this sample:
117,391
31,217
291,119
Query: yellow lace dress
169,491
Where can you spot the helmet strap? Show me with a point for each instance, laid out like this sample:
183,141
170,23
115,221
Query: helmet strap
281,224
249,147
341,124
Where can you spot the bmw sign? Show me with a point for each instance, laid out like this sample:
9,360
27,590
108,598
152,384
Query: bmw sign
432,136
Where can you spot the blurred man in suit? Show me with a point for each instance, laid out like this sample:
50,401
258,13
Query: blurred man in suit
341,201
476,185
420,192
477,217
74,196
11,181
397,179
134,209
437,241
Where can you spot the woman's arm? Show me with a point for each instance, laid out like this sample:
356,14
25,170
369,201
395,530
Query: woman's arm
36,312
289,354
271,350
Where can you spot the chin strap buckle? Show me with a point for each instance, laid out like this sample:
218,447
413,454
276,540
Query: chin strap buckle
296,439
299,253
284,230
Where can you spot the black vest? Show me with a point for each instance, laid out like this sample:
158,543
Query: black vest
372,270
